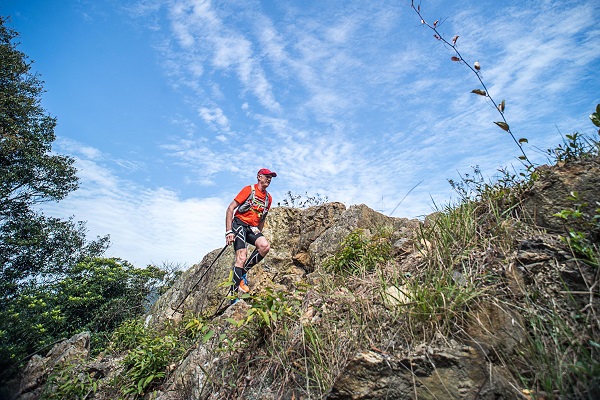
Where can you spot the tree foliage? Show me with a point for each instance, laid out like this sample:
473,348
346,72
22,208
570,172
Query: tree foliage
31,245
30,173
53,281
96,295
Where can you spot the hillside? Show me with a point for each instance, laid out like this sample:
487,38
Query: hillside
483,299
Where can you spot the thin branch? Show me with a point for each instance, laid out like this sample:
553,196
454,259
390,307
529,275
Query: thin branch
476,70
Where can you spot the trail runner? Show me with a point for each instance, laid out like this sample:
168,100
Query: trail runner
244,222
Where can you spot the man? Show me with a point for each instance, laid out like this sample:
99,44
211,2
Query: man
244,221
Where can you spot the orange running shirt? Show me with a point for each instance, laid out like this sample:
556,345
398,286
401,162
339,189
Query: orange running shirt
252,216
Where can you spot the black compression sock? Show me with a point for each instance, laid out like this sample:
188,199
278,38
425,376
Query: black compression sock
254,259
238,273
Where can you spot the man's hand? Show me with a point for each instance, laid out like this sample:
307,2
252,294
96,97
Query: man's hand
229,238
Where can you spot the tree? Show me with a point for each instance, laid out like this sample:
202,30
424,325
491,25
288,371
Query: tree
35,250
31,244
29,172
97,295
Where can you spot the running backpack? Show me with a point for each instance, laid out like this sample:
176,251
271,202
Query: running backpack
253,200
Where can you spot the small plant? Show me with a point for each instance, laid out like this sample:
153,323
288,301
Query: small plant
505,189
199,327
361,252
451,279
575,147
149,353
147,364
583,241
595,117
578,146
128,335
270,307
69,383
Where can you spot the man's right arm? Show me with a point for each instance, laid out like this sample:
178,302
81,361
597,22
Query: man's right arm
229,236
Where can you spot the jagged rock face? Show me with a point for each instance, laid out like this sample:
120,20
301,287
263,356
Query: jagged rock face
299,238
291,232
550,194
356,217
72,351
453,371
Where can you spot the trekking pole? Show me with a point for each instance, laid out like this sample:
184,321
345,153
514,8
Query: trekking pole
200,279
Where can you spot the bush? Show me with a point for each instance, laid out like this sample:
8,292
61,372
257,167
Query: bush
95,295
360,252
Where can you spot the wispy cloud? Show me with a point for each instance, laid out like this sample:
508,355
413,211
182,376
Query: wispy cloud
145,225
333,63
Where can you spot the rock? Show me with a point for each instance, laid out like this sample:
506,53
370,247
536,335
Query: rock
459,372
550,193
300,239
198,290
356,217
189,378
292,231
75,350
395,296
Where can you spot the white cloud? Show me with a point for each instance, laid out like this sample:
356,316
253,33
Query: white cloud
145,225
214,117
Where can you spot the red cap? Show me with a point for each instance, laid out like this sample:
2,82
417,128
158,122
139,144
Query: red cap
266,171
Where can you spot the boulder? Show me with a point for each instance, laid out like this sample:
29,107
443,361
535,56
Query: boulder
75,350
456,372
550,193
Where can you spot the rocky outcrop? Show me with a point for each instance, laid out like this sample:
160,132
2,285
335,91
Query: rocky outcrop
300,239
75,350
550,193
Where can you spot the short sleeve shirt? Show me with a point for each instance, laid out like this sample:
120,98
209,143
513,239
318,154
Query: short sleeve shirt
253,215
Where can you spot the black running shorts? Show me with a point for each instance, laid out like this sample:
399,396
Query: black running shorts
243,234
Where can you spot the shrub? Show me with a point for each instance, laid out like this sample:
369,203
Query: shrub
360,252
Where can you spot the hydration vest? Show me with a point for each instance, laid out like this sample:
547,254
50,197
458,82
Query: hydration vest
253,202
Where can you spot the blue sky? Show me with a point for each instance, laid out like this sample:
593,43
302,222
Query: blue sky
171,106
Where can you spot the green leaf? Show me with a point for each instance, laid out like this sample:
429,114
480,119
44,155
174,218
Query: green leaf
208,336
502,125
140,386
148,380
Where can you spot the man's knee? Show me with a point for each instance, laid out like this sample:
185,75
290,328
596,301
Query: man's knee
263,246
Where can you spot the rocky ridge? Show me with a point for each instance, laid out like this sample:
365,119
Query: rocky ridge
476,363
